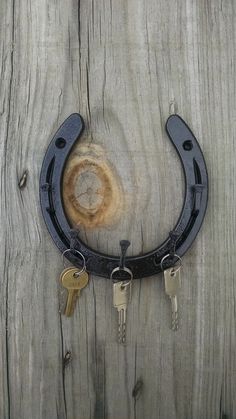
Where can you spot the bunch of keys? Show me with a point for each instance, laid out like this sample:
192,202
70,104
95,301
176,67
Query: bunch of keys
74,281
172,285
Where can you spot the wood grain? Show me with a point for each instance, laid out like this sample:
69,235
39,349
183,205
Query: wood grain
125,66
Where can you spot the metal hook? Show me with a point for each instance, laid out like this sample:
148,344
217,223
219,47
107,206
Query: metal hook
173,235
124,244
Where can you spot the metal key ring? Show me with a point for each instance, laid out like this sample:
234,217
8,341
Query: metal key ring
118,269
175,269
79,253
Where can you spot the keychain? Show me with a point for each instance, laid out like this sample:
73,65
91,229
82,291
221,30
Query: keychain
122,291
172,286
164,258
73,280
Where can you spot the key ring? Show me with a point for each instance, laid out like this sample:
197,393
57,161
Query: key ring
175,270
124,269
78,253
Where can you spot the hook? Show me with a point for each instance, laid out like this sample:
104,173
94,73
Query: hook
124,244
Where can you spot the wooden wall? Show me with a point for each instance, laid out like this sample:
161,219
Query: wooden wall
125,65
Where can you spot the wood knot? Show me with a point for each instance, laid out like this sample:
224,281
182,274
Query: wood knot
67,359
92,192
23,180
137,390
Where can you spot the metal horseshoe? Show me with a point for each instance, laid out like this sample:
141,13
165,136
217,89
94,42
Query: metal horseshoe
180,238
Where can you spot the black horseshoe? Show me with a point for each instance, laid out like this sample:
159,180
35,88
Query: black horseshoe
179,240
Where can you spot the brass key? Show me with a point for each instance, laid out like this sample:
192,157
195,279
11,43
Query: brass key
73,284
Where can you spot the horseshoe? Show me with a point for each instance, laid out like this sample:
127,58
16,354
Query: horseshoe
179,240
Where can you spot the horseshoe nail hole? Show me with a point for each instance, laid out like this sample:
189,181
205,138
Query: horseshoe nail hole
60,143
187,145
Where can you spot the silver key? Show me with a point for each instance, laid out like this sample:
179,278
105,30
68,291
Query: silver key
121,297
172,285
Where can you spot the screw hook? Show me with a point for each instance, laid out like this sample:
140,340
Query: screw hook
124,244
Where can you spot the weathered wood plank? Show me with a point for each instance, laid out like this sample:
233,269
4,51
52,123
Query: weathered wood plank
125,66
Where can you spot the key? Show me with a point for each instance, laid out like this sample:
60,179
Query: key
121,297
74,284
172,285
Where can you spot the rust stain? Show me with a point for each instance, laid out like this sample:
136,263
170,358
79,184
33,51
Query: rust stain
92,192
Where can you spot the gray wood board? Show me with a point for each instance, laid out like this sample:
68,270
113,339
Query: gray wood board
125,66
